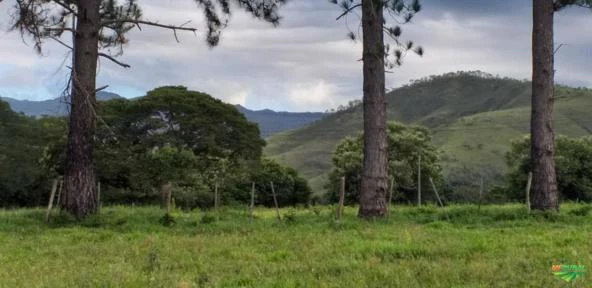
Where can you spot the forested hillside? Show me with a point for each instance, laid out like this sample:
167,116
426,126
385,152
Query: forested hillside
473,116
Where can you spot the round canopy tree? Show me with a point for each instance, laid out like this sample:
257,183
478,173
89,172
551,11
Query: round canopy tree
408,141
173,117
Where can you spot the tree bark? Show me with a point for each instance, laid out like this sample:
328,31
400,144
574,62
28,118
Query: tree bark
375,167
545,195
80,197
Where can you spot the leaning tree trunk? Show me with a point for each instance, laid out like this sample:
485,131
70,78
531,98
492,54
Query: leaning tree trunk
375,167
542,145
80,182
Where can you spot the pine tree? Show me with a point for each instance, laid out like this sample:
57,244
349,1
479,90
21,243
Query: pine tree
376,56
542,145
99,29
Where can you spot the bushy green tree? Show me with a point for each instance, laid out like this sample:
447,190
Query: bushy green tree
172,135
405,144
25,142
573,159
182,118
290,188
206,141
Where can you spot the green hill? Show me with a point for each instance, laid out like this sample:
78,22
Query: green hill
473,116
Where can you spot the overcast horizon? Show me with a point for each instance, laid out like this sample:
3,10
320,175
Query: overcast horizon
307,63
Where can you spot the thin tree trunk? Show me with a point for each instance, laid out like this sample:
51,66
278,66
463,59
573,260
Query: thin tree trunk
168,188
99,197
436,192
54,187
528,185
80,197
60,190
216,197
480,193
275,202
374,173
545,196
389,200
419,181
341,198
252,206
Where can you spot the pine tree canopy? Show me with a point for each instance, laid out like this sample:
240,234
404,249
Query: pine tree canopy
400,12
49,19
561,4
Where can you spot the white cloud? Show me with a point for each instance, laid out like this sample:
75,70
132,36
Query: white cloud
307,63
310,96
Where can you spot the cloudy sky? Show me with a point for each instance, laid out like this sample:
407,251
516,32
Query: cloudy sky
307,63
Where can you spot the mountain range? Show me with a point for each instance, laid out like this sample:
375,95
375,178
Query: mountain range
473,116
53,107
270,122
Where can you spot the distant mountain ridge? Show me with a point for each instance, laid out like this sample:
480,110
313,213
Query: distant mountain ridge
473,117
270,122
52,107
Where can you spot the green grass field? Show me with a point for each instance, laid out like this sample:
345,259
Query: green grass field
461,246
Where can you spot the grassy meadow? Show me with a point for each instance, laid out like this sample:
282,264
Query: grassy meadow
459,246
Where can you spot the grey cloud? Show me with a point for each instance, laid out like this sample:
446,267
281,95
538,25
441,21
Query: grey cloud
476,8
307,63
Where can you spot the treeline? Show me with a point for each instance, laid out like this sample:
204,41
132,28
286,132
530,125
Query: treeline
411,150
24,153
457,74
172,136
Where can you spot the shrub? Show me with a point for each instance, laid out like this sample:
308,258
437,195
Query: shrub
582,211
208,218
167,220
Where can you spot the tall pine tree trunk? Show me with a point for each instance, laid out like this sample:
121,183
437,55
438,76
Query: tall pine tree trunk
375,167
542,151
80,182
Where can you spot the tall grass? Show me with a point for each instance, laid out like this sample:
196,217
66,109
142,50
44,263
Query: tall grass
459,246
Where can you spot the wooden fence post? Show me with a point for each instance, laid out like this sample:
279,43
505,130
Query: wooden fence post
480,194
277,208
60,188
341,198
528,184
419,181
216,197
438,197
99,197
168,192
54,187
252,207
390,196
436,191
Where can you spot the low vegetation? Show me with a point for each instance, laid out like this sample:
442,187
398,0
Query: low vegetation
459,246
